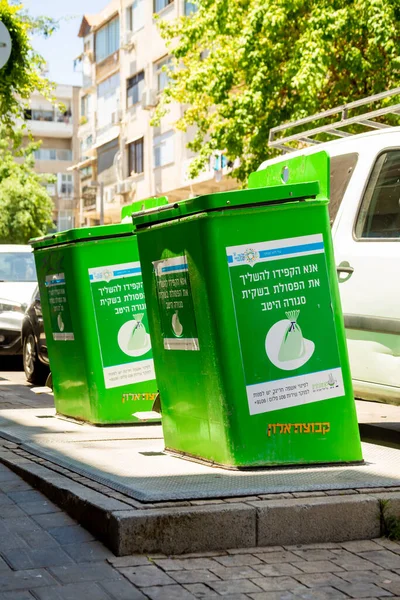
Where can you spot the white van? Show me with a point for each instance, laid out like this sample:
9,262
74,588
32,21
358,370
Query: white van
365,217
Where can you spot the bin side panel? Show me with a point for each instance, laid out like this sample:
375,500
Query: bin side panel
192,396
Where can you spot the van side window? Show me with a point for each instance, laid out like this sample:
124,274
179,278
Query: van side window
342,168
379,216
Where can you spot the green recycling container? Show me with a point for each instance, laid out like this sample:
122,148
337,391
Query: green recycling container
246,323
96,324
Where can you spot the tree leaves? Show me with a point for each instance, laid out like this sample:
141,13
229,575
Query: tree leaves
244,66
25,206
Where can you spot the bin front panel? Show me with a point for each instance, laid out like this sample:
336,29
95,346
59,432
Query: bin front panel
270,382
103,371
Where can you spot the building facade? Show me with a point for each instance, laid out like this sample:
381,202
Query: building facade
120,153
59,151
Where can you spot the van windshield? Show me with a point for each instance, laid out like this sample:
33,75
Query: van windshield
342,168
17,266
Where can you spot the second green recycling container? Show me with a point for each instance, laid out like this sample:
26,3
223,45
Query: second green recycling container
96,324
246,323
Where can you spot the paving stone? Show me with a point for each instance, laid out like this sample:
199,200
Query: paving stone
21,497
353,562
135,560
11,541
34,558
363,590
379,577
39,508
272,596
209,554
177,564
199,590
275,584
81,573
237,586
21,580
320,580
87,552
4,499
200,576
393,587
361,546
3,566
238,560
72,591
71,534
22,524
255,550
279,557
319,566
17,485
389,544
11,511
317,554
383,558
235,572
322,545
147,576
278,570
37,538
322,593
21,595
51,520
169,592
121,589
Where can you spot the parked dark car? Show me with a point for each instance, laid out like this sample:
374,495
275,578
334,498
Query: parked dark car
34,346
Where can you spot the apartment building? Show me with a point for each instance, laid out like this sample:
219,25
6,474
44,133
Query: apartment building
58,131
122,158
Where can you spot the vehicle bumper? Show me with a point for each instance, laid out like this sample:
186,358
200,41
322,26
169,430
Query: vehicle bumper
10,333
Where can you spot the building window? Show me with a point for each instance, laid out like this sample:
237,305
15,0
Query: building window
50,189
86,106
190,8
65,220
136,15
135,157
134,89
162,76
163,146
107,101
50,154
107,40
160,4
65,184
106,155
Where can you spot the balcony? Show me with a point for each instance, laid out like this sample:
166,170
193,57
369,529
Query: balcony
47,123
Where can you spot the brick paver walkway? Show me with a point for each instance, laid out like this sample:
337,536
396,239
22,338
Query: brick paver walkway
45,555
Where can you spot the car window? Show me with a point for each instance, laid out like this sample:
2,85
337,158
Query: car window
342,168
17,266
379,215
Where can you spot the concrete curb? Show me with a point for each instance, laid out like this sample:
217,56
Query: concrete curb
178,529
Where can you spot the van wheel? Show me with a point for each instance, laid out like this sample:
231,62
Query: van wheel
35,372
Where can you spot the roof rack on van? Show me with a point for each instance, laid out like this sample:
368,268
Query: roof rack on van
334,129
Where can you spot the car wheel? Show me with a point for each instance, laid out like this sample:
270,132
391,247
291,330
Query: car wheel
35,372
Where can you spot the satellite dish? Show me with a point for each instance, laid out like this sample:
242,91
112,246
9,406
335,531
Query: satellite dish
5,45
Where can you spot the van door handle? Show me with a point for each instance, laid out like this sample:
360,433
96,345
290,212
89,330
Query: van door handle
343,269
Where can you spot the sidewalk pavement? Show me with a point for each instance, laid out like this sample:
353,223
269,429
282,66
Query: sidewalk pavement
46,555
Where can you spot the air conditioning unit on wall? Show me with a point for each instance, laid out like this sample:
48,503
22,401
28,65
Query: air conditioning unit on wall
149,99
116,117
128,41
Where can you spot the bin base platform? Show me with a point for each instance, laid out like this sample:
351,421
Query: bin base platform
270,467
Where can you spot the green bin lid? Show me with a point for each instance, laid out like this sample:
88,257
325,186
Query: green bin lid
300,178
82,234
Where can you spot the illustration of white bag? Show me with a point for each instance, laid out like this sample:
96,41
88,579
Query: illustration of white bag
292,345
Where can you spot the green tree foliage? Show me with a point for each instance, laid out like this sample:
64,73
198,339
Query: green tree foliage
21,75
25,206
244,66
